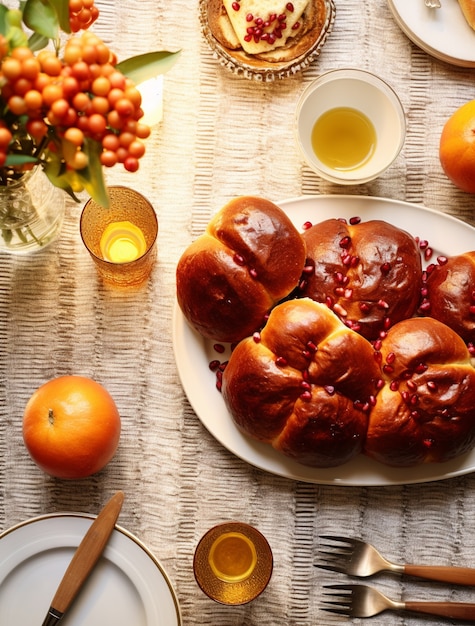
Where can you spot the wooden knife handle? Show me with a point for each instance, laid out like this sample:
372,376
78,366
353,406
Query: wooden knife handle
87,553
455,575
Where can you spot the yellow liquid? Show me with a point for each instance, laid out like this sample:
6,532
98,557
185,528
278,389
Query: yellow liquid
232,557
343,138
122,242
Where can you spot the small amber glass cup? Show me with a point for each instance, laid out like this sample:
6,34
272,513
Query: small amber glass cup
233,563
134,218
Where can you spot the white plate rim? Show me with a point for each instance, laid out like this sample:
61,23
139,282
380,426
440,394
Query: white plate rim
418,30
70,538
193,354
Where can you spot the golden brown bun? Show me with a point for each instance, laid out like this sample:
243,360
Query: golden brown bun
250,257
302,39
426,410
468,10
305,387
369,273
451,294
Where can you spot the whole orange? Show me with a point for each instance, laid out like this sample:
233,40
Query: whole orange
71,427
457,147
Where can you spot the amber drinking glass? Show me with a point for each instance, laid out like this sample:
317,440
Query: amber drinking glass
121,239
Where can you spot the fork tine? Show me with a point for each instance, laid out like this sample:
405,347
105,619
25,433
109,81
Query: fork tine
339,603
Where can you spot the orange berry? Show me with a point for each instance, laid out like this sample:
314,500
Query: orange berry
97,124
100,105
81,102
21,53
17,105
134,95
142,131
33,99
136,149
103,54
75,6
81,70
11,68
115,120
72,53
60,108
22,86
51,93
101,86
51,65
30,68
5,137
117,80
80,160
125,139
70,87
3,158
75,136
41,81
108,158
131,164
110,142
124,107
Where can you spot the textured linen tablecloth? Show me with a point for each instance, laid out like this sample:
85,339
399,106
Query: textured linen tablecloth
222,136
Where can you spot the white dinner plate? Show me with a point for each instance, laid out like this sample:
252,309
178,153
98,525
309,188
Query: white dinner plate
128,586
445,234
443,33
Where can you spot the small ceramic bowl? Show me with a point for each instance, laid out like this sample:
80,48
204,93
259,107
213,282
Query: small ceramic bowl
361,92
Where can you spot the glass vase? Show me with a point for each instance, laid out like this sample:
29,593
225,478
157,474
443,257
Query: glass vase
31,213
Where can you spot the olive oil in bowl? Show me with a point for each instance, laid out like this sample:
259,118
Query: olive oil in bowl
343,139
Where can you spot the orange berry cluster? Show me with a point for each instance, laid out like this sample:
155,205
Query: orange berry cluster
80,96
82,14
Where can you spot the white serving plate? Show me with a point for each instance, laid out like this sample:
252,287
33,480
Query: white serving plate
127,587
446,235
443,33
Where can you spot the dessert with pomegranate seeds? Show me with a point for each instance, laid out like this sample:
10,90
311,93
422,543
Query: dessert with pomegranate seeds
266,34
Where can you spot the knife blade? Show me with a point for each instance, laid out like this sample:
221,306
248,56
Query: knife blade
84,559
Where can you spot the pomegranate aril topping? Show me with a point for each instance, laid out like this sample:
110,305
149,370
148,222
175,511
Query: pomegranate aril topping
271,38
247,38
249,17
348,293
256,337
423,244
253,273
382,304
472,309
428,443
432,386
238,259
259,21
306,396
290,7
236,6
340,310
394,385
364,308
428,252
355,220
424,306
442,260
411,385
377,344
282,17
219,385
385,267
311,346
421,368
355,260
345,242
305,385
391,357
219,348
379,383
330,389
388,369
308,269
281,361
387,323
213,365
296,26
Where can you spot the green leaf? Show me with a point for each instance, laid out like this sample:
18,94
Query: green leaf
92,176
59,178
20,159
62,10
3,19
148,65
41,17
37,42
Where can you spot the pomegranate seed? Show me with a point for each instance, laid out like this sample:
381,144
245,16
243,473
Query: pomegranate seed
430,268
330,389
421,368
329,302
340,310
339,291
355,220
305,375
272,17
346,260
411,385
405,396
345,242
424,292
305,385
428,443
219,375
256,38
256,337
377,344
442,260
311,346
218,348
428,252
424,306
355,260
249,17
388,369
414,399
385,267
307,225
296,26
378,357
423,244
277,33
472,309
306,354
290,7
394,385
432,386
236,6
364,307
281,361
253,273
379,383
339,277
213,365
348,293
259,21
382,304
271,38
223,366
264,36
391,357
238,259
250,30
247,38
306,396
308,269
387,323
219,385
281,17
303,285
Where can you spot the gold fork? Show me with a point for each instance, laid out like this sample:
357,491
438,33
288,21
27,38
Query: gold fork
358,558
364,601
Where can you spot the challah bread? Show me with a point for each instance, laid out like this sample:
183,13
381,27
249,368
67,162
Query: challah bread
426,410
250,257
450,290
305,387
468,10
369,273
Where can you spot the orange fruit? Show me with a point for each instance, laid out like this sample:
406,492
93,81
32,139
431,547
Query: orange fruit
457,147
71,427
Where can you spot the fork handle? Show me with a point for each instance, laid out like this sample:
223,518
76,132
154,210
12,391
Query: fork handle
454,610
455,575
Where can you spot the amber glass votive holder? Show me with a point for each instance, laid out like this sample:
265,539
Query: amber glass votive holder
121,238
233,563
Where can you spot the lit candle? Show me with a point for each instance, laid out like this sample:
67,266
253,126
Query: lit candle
122,242
232,557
